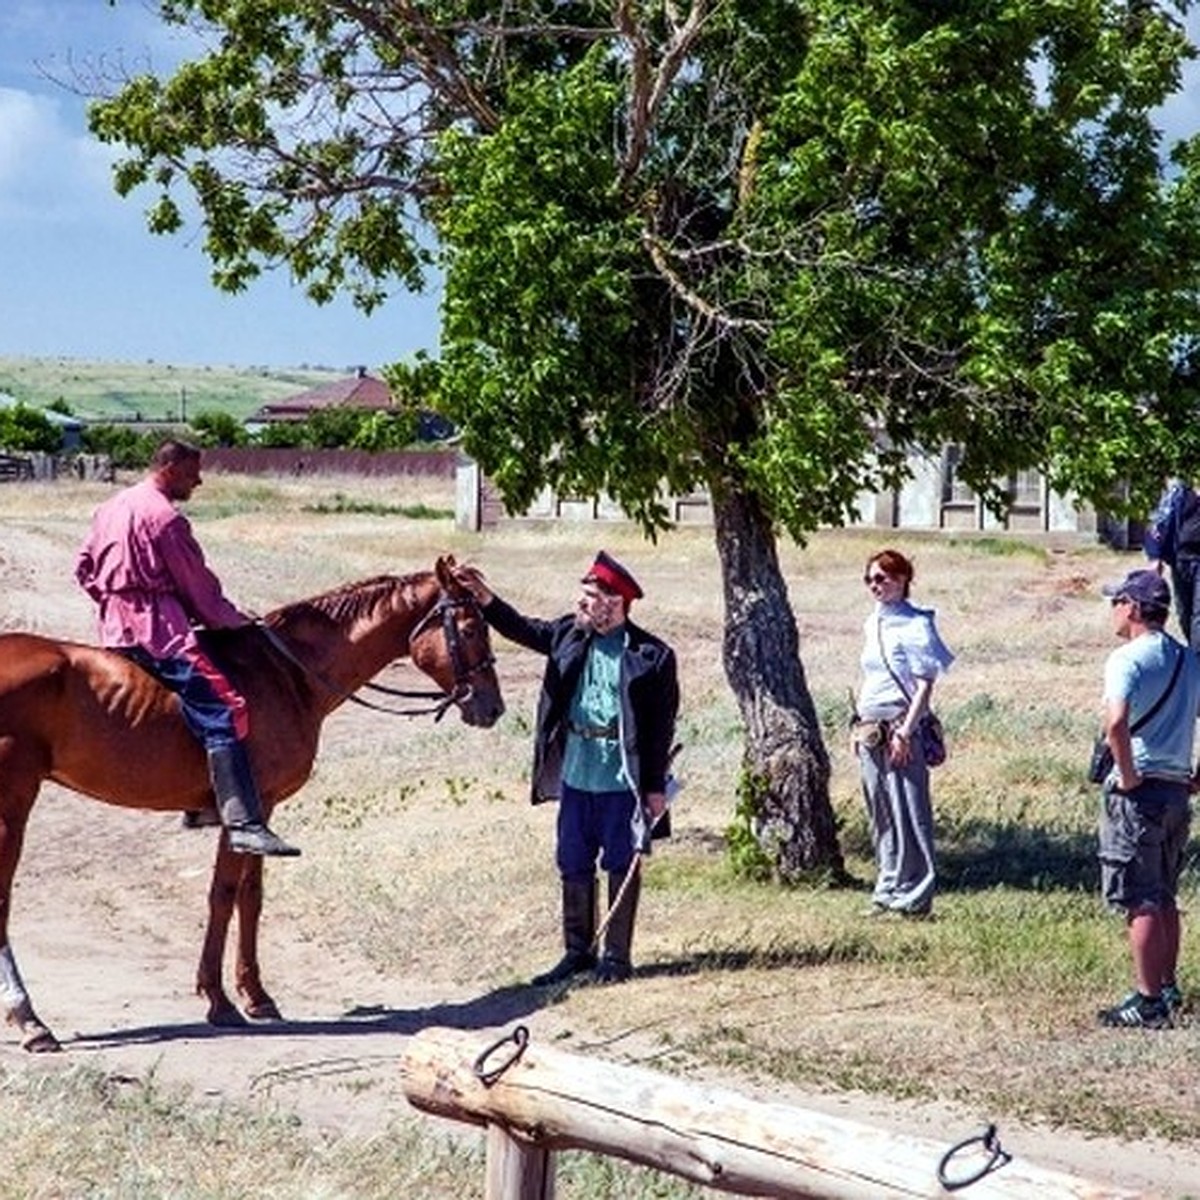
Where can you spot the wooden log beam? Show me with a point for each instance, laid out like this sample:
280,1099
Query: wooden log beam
552,1100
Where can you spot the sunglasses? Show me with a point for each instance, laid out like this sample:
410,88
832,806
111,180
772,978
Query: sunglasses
877,578
1120,600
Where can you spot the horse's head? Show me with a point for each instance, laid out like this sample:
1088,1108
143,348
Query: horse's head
452,646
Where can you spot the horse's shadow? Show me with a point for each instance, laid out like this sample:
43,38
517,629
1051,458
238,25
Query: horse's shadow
494,1008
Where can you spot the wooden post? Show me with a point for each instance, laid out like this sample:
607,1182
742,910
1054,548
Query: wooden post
544,1099
517,1169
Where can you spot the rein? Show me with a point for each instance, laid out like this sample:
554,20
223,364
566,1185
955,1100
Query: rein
444,700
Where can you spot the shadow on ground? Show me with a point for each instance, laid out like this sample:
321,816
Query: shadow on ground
492,1009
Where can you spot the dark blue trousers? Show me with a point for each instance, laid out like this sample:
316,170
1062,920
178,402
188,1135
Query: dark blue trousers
594,825
214,712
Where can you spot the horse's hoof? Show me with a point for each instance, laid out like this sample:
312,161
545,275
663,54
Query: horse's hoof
40,1041
226,1017
264,1012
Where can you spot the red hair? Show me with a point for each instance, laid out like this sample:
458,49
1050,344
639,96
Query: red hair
893,563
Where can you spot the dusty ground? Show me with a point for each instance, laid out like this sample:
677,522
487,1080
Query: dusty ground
108,915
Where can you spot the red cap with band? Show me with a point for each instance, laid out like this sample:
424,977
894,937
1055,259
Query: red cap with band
613,577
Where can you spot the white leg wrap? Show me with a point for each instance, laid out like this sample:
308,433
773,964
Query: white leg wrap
12,988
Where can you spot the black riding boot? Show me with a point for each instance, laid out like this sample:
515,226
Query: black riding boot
579,931
616,964
239,805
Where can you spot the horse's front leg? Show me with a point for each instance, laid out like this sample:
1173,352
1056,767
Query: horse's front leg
258,1004
222,892
18,1008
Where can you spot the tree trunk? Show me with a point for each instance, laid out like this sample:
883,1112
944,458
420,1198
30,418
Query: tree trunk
785,767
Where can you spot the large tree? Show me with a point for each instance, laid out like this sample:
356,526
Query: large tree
759,247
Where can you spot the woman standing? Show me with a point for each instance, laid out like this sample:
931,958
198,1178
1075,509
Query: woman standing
902,656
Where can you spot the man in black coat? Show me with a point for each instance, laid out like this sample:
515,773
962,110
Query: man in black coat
605,724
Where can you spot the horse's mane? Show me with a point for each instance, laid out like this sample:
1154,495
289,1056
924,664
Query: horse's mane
351,601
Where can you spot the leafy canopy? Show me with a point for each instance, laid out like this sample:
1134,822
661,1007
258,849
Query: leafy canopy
768,248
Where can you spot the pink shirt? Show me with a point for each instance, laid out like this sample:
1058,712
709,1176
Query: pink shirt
144,568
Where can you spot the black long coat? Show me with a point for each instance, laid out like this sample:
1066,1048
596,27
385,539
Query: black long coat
649,701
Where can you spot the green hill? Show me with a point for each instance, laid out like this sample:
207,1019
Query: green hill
153,391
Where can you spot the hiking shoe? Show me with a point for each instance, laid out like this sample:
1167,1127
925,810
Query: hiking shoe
1137,1012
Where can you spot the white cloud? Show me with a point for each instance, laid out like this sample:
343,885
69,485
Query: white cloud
49,169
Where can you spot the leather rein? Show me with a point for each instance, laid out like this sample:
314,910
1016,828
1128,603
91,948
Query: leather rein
443,609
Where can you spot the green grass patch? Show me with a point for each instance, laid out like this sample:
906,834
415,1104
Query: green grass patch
340,505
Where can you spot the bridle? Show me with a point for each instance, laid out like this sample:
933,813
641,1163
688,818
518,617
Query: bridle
464,672
444,610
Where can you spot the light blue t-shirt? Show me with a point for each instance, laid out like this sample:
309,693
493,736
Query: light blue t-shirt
1138,672
595,763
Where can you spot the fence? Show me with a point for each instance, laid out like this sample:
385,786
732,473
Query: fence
535,1101
15,467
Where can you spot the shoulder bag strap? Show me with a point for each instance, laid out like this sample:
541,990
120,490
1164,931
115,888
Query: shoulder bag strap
1179,653
888,666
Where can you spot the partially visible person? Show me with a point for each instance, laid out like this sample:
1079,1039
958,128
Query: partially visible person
605,724
143,567
1151,701
902,657
1172,539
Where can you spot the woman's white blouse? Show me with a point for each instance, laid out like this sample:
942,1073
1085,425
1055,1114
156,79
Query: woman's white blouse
914,650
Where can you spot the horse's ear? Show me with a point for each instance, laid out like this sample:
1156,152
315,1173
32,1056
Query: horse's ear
444,569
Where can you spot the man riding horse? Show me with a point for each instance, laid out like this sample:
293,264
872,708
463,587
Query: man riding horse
143,567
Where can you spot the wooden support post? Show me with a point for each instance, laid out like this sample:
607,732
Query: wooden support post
516,1168
535,1099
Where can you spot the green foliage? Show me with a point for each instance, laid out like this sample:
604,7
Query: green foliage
344,428
747,856
126,447
25,428
218,429
773,251
779,252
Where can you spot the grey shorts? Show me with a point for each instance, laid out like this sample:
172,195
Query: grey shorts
1143,835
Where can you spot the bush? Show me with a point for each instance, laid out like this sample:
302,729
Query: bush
126,448
29,429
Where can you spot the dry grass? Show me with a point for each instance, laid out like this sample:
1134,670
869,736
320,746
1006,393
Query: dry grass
990,1006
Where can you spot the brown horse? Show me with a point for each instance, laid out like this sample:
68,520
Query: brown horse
90,720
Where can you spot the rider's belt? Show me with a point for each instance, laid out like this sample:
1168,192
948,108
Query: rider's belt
601,733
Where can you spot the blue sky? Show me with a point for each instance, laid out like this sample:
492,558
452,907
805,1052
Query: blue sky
81,277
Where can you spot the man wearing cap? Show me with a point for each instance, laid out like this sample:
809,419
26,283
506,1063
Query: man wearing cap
1151,700
605,722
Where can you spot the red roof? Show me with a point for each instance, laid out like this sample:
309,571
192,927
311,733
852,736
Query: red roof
356,391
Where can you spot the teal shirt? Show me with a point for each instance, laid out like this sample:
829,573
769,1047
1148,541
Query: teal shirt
594,764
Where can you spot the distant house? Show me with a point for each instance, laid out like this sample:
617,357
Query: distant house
356,391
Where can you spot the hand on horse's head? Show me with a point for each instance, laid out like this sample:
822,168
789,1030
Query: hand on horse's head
471,578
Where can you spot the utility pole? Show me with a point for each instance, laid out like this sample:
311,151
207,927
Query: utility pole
183,405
